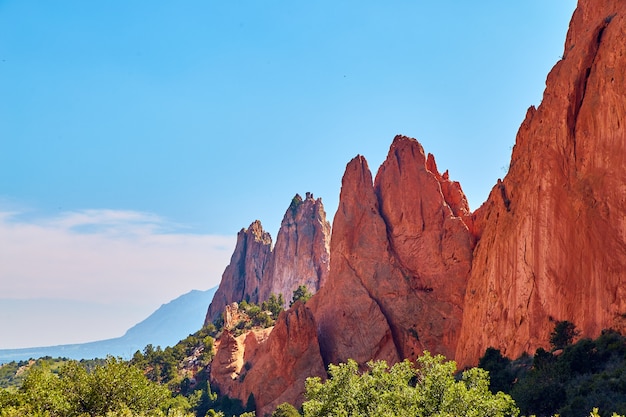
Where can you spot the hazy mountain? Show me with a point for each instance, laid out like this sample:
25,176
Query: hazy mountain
165,327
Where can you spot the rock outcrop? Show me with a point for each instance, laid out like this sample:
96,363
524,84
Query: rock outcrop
400,261
243,277
301,257
553,236
272,364
233,358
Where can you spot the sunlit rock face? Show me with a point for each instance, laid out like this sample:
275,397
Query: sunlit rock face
400,259
269,365
553,231
302,252
243,277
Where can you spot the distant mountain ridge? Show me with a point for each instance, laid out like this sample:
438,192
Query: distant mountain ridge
165,327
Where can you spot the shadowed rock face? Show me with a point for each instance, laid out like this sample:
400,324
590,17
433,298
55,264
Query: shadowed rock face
301,257
553,235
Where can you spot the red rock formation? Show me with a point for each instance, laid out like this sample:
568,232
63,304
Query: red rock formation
412,269
302,252
271,364
400,261
300,257
232,358
290,355
553,232
243,276
350,321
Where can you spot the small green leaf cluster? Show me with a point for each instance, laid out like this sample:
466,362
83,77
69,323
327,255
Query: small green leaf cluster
301,293
256,316
428,389
286,410
274,304
253,317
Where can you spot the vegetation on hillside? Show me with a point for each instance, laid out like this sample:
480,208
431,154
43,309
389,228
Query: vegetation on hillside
585,378
428,389
570,380
12,374
183,367
113,389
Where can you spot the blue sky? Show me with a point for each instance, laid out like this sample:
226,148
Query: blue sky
137,138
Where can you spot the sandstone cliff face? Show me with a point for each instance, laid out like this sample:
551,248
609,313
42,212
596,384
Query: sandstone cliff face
233,357
400,262
271,364
302,251
301,256
553,232
350,321
243,277
290,355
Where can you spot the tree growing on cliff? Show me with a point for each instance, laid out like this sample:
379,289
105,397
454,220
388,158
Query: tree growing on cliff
563,334
301,293
430,389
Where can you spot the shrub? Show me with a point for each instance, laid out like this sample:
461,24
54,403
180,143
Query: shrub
430,389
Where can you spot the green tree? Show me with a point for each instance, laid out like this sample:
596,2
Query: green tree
430,389
43,394
114,388
286,410
118,385
500,374
275,304
301,293
563,334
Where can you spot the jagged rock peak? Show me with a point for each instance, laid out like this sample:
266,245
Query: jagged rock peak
255,230
243,276
400,260
451,190
301,256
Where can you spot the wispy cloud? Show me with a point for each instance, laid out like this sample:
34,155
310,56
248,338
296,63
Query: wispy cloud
106,257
